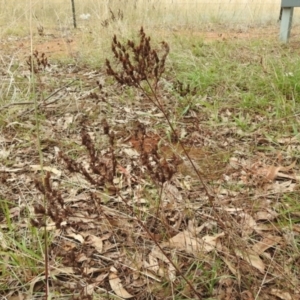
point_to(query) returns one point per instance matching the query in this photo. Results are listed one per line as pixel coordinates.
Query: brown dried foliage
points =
(139, 62)
(37, 62)
(55, 205)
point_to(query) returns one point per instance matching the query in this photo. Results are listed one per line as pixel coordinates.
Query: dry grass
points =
(151, 14)
(155, 175)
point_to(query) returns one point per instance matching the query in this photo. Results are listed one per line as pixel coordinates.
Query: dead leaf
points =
(10, 170)
(286, 176)
(75, 236)
(171, 193)
(252, 258)
(101, 277)
(247, 295)
(266, 215)
(115, 284)
(95, 241)
(62, 271)
(154, 266)
(17, 297)
(149, 274)
(282, 187)
(89, 289)
(153, 263)
(45, 168)
(248, 224)
(81, 257)
(281, 294)
(211, 242)
(288, 140)
(186, 240)
(269, 173)
(4, 154)
(230, 265)
(266, 243)
(131, 152)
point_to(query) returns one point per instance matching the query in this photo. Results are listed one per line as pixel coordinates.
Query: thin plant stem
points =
(38, 141)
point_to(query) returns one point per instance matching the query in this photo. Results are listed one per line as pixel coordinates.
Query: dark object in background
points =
(280, 15)
(73, 11)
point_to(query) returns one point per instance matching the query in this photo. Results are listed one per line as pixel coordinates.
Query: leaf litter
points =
(114, 220)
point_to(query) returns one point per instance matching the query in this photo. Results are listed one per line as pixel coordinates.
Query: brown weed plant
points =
(159, 168)
(139, 63)
(37, 62)
(100, 174)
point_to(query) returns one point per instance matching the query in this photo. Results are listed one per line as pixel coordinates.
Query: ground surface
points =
(223, 225)
(54, 42)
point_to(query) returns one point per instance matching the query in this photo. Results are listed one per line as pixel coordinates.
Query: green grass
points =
(21, 255)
